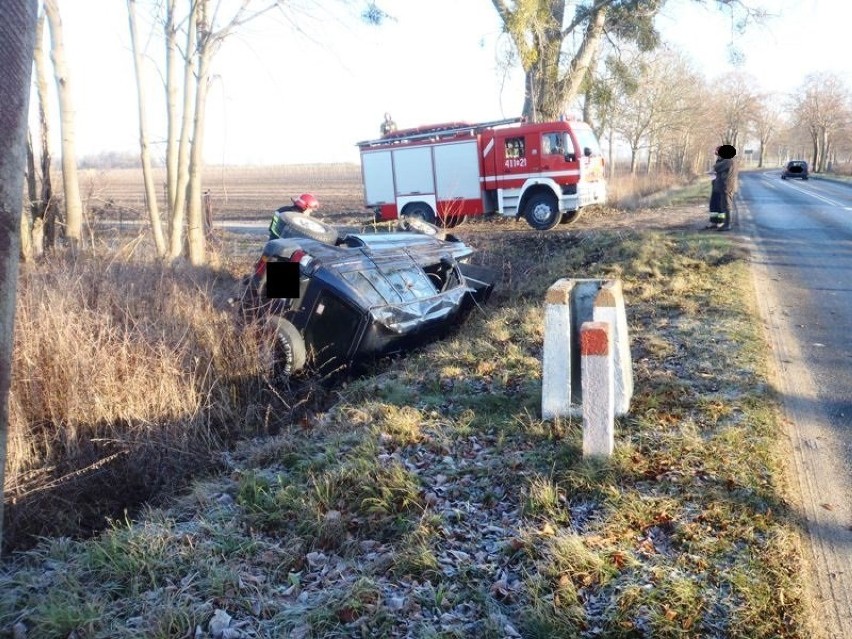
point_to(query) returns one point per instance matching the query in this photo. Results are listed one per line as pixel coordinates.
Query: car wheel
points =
(569, 217)
(805, 178)
(419, 210)
(542, 212)
(302, 225)
(283, 349)
(416, 225)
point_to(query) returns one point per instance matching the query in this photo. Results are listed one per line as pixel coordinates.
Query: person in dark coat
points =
(724, 188)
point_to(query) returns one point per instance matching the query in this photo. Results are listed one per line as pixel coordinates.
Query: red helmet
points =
(306, 202)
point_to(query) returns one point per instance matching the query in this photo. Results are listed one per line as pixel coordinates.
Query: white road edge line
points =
(819, 197)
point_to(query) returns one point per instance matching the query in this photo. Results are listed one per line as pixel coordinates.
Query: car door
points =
(333, 331)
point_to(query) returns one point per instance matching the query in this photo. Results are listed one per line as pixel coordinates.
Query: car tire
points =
(301, 225)
(569, 217)
(783, 177)
(542, 211)
(417, 225)
(283, 349)
(419, 210)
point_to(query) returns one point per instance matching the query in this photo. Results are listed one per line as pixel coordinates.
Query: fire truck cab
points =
(545, 172)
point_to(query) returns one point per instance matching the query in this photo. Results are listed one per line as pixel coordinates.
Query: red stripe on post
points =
(594, 338)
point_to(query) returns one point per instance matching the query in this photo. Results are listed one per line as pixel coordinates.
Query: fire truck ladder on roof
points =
(436, 132)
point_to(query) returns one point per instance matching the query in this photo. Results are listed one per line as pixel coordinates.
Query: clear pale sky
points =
(283, 96)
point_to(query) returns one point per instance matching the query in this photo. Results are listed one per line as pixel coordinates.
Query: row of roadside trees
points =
(656, 107)
(641, 97)
(192, 31)
(647, 99)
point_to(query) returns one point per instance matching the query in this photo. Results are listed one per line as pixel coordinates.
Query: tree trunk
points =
(569, 86)
(823, 155)
(47, 209)
(147, 173)
(70, 181)
(815, 156)
(17, 40)
(27, 248)
(611, 152)
(548, 91)
(179, 207)
(171, 110)
(195, 214)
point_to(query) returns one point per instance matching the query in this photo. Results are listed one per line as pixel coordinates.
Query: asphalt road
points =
(801, 234)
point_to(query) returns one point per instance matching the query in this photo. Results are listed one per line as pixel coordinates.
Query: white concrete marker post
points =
(556, 376)
(598, 381)
(609, 307)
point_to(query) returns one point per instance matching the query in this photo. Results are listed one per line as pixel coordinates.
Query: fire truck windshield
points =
(587, 140)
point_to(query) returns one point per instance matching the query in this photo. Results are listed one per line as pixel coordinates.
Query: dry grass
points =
(126, 377)
(630, 192)
(430, 500)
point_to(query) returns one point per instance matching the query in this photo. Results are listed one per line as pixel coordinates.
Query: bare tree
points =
(822, 107)
(31, 227)
(654, 104)
(734, 106)
(766, 122)
(17, 39)
(205, 30)
(70, 181)
(145, 153)
(170, 32)
(46, 209)
(180, 179)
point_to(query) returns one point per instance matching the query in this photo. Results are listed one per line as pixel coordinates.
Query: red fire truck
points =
(545, 172)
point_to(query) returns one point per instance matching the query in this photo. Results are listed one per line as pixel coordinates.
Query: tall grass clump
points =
(126, 376)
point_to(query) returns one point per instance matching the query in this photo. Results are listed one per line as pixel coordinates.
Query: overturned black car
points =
(360, 296)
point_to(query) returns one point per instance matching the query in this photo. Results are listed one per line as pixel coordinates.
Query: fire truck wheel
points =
(416, 225)
(301, 225)
(419, 210)
(570, 217)
(542, 212)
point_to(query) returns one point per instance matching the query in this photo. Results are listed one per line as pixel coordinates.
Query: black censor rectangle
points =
(282, 280)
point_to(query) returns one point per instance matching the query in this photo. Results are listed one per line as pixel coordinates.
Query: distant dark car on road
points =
(360, 296)
(795, 169)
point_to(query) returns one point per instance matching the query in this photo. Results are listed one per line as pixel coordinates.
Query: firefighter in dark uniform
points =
(305, 203)
(724, 188)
